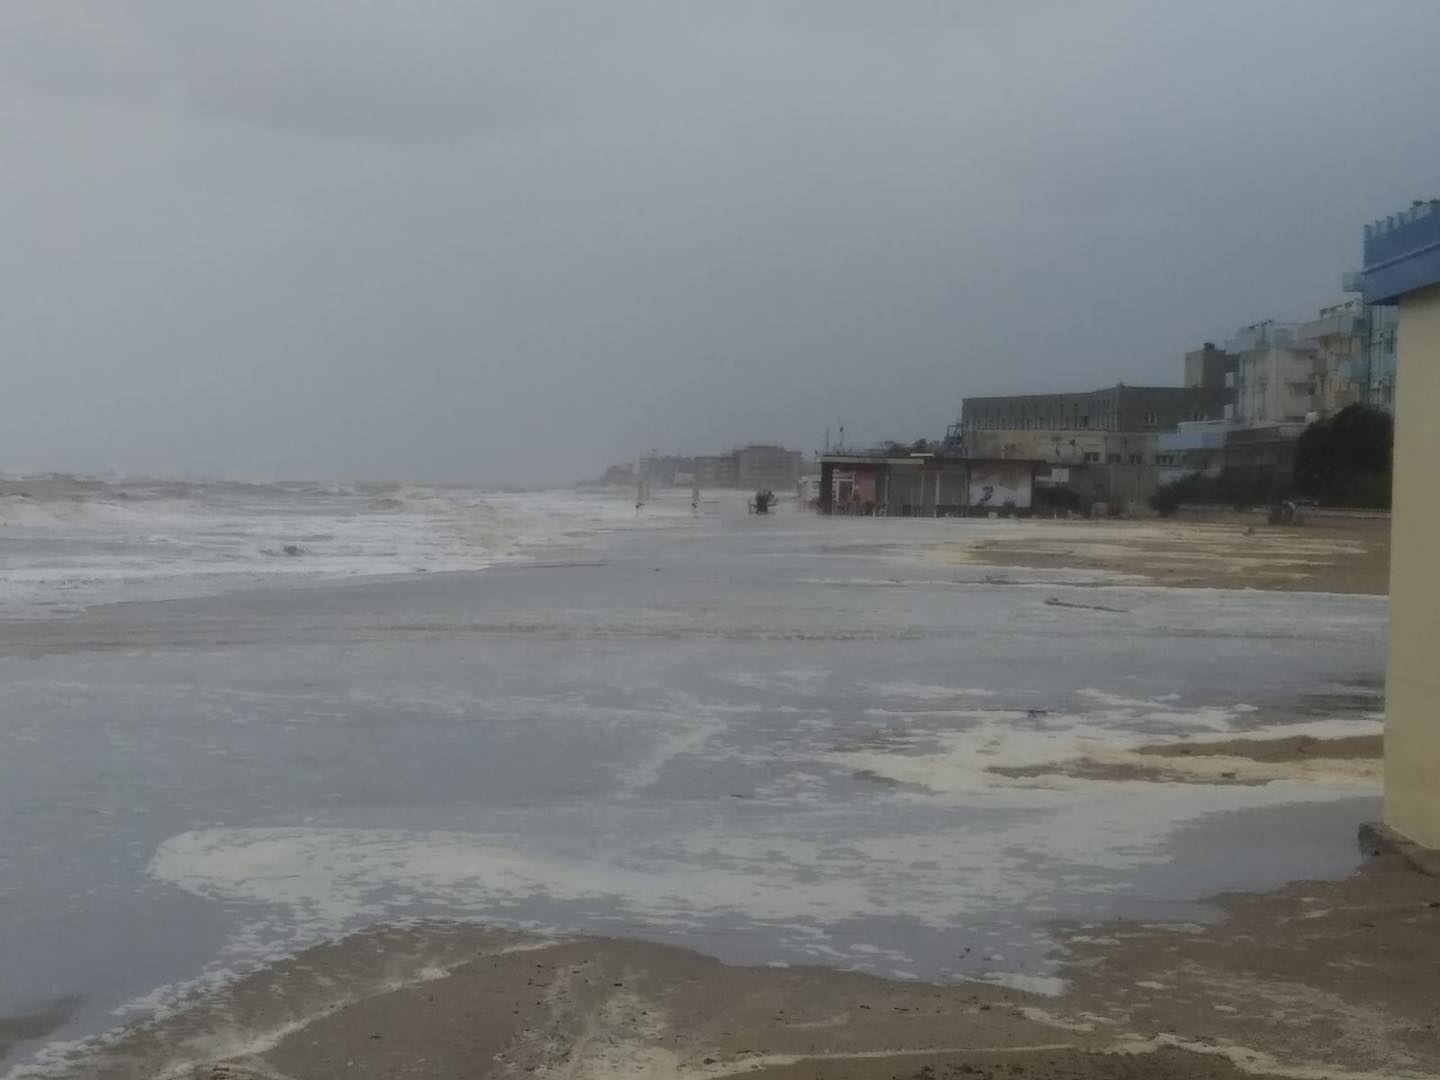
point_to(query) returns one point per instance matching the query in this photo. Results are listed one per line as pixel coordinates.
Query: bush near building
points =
(1238, 488)
(1343, 461)
(1347, 459)
(1052, 499)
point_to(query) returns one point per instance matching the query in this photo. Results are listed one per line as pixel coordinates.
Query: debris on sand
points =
(1055, 601)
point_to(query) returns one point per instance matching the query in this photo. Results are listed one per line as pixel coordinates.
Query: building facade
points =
(716, 471)
(1111, 434)
(1337, 338)
(1065, 447)
(1209, 367)
(1354, 347)
(1196, 446)
(1115, 408)
(1379, 361)
(1274, 377)
(1402, 266)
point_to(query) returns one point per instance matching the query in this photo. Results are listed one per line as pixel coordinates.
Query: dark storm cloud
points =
(503, 241)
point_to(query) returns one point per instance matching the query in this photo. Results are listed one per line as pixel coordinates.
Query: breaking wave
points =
(72, 541)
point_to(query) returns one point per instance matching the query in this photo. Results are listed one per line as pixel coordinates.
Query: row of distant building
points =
(1240, 405)
(752, 468)
(1243, 404)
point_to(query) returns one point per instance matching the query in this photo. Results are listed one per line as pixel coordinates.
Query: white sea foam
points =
(71, 542)
(1045, 985)
(799, 881)
(959, 759)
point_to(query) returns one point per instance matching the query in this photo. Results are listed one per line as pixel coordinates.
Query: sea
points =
(69, 542)
(239, 719)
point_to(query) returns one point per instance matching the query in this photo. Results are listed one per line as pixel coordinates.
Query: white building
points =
(1275, 378)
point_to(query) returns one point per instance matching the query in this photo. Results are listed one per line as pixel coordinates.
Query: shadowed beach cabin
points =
(925, 485)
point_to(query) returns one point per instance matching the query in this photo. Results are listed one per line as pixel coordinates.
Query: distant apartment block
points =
(715, 470)
(753, 467)
(768, 467)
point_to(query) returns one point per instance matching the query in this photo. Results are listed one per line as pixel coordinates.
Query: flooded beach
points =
(778, 742)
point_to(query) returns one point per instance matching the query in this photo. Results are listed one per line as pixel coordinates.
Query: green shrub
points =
(1346, 460)
(1238, 488)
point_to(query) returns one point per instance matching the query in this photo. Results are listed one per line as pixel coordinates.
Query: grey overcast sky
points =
(466, 240)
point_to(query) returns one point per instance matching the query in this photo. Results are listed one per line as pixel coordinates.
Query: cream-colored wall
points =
(1412, 726)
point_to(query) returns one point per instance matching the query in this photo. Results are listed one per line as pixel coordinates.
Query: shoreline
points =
(1181, 1001)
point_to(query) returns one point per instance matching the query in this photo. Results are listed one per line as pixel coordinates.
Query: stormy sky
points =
(505, 242)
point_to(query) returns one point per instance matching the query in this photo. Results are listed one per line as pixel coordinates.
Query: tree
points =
(1346, 460)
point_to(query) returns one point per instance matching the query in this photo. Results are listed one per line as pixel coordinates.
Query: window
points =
(1084, 421)
(1091, 457)
(1136, 459)
(1150, 419)
(1113, 459)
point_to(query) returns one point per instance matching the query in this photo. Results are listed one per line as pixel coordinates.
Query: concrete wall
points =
(1412, 727)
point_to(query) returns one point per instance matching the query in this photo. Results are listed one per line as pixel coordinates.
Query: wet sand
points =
(1351, 759)
(35, 1024)
(1316, 979)
(1327, 555)
(1289, 748)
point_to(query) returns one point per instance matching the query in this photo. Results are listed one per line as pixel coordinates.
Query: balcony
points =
(1345, 322)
